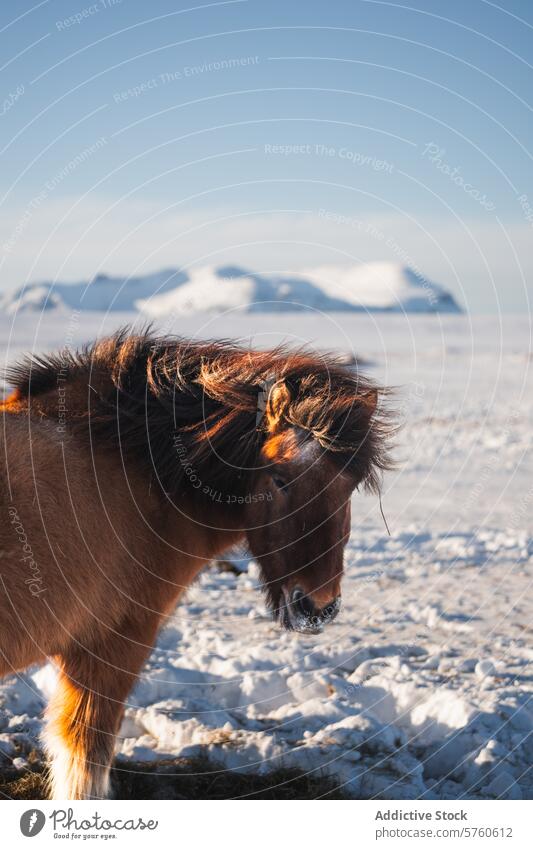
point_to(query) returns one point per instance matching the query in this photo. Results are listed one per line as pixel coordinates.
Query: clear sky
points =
(136, 136)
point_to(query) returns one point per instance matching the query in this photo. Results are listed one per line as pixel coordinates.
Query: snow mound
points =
(378, 286)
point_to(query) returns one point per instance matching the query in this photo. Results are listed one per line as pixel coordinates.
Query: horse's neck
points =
(203, 530)
(194, 522)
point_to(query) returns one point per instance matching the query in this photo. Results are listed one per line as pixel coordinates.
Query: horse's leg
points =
(86, 710)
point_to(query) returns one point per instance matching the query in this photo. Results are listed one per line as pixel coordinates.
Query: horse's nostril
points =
(332, 609)
(305, 607)
(303, 604)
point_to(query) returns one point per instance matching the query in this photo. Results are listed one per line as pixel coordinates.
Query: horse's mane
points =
(176, 405)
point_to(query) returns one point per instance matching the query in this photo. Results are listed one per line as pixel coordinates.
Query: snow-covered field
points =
(422, 687)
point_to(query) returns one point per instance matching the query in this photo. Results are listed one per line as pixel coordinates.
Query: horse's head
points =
(299, 519)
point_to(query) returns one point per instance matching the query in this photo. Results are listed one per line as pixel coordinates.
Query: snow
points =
(422, 686)
(375, 286)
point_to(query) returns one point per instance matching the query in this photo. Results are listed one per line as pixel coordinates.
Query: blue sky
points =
(137, 136)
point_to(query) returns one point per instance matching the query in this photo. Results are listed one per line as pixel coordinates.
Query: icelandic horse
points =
(126, 467)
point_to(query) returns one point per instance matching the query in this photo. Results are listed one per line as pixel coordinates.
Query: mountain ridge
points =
(369, 287)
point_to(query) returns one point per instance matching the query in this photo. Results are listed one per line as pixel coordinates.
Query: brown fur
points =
(104, 525)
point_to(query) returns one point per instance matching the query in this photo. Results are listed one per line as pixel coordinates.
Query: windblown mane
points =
(177, 405)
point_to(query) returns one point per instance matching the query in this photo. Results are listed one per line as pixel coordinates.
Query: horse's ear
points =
(278, 400)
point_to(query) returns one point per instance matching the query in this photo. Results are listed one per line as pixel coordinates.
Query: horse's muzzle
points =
(299, 612)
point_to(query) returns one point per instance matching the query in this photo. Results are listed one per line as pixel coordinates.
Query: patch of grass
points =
(184, 778)
(31, 784)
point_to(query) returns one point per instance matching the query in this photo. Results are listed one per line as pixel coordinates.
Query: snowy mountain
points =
(383, 286)
(211, 289)
(377, 286)
(102, 293)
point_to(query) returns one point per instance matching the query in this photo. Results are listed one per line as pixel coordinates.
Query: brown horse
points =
(131, 464)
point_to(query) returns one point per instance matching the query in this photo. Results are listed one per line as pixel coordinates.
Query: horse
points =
(130, 464)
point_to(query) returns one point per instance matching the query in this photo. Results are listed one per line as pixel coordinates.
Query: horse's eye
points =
(280, 483)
